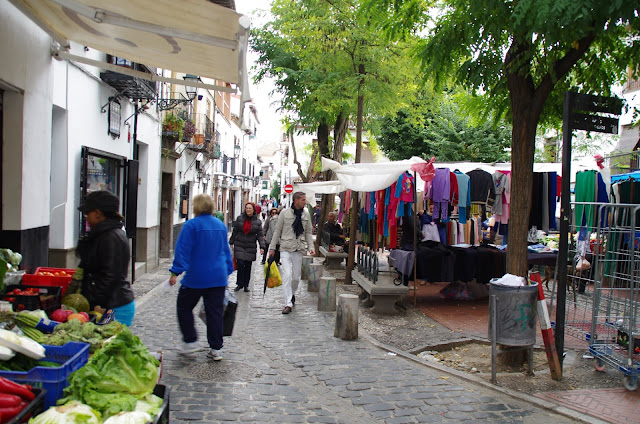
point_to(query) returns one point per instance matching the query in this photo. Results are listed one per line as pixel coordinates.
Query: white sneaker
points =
(190, 348)
(214, 354)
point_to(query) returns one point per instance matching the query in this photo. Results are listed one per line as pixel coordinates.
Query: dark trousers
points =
(244, 273)
(213, 298)
(266, 253)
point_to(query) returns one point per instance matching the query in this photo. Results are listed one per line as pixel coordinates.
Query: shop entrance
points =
(166, 215)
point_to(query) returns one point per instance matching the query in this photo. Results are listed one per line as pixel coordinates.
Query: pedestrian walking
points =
(203, 254)
(104, 257)
(268, 229)
(247, 231)
(293, 234)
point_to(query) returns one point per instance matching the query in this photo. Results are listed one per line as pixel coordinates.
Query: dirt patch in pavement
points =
(412, 331)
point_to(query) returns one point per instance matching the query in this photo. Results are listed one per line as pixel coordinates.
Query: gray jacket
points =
(284, 235)
(244, 245)
(269, 227)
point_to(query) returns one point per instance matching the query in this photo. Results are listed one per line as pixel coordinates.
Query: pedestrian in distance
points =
(247, 232)
(293, 234)
(268, 228)
(202, 254)
(104, 257)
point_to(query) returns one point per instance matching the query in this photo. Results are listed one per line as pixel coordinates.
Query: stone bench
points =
(381, 296)
(333, 259)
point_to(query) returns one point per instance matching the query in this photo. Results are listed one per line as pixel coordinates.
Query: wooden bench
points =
(332, 259)
(381, 296)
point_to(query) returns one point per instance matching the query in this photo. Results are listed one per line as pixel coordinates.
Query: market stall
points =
(81, 367)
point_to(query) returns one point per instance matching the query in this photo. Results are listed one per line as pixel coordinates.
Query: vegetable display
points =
(74, 331)
(116, 376)
(14, 398)
(72, 413)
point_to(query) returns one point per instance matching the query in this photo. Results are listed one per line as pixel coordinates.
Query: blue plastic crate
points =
(71, 357)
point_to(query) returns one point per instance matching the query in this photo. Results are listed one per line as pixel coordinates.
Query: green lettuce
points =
(116, 376)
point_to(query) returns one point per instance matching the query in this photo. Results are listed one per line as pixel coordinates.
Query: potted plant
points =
(189, 130)
(173, 126)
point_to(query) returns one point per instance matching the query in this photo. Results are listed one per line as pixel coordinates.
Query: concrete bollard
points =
(315, 273)
(347, 317)
(306, 261)
(327, 294)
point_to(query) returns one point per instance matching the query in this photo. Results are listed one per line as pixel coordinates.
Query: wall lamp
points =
(191, 90)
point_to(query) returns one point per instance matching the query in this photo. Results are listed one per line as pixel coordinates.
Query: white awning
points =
(371, 176)
(319, 187)
(188, 36)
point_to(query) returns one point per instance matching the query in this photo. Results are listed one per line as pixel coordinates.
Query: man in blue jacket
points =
(202, 253)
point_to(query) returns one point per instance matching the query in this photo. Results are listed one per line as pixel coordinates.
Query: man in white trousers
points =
(293, 234)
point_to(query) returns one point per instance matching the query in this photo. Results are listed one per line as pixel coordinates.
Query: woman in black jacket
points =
(104, 257)
(247, 231)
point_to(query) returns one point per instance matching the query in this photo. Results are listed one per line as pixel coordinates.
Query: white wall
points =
(26, 66)
(149, 138)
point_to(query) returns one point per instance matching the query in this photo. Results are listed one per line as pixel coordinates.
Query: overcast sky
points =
(270, 126)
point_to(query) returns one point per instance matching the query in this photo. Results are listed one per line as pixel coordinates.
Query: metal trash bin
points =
(515, 314)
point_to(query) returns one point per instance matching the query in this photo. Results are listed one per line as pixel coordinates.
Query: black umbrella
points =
(266, 274)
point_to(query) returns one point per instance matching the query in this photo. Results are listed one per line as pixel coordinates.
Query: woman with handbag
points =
(203, 255)
(247, 231)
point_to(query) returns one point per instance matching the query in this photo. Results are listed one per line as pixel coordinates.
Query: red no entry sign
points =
(288, 188)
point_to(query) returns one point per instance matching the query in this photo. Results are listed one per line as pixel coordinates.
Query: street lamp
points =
(191, 90)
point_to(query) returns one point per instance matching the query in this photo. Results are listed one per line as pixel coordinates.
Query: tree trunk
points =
(305, 178)
(327, 205)
(355, 208)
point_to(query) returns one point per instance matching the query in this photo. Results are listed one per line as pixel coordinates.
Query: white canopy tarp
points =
(320, 187)
(190, 36)
(370, 176)
(464, 167)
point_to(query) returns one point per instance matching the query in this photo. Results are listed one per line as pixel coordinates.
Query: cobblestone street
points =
(290, 368)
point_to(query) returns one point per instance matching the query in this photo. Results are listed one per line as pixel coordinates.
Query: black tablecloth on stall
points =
(436, 262)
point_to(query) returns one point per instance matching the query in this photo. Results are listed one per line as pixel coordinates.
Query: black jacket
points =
(244, 245)
(335, 231)
(104, 257)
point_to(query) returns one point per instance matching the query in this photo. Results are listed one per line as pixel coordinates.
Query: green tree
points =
(523, 55)
(275, 191)
(445, 133)
(329, 66)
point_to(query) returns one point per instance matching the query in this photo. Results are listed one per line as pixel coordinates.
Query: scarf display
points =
(297, 223)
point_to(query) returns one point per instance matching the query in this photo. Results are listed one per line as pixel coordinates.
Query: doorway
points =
(166, 216)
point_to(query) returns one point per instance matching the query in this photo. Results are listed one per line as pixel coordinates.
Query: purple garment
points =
(441, 193)
(403, 260)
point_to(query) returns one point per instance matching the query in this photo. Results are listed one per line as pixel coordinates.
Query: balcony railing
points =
(204, 126)
(132, 87)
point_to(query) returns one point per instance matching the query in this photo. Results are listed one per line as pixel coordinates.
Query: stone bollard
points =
(306, 261)
(315, 274)
(327, 294)
(347, 317)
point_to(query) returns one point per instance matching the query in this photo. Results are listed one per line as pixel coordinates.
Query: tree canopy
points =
(444, 132)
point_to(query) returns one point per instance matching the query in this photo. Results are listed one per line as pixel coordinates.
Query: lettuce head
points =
(116, 376)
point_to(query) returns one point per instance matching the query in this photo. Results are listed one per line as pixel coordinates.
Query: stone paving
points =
(290, 369)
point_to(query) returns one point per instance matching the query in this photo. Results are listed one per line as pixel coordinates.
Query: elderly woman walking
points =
(247, 231)
(202, 253)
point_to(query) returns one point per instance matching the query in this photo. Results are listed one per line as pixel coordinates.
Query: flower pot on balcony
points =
(198, 139)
